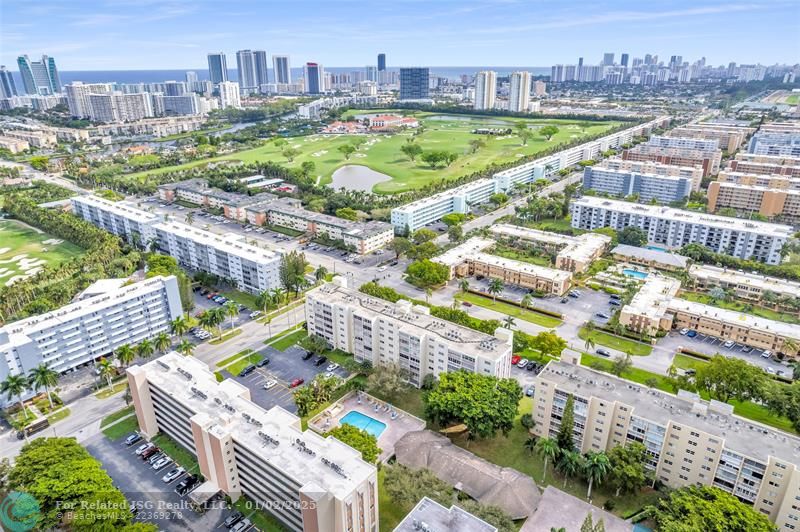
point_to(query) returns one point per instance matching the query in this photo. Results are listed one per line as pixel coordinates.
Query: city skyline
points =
(486, 33)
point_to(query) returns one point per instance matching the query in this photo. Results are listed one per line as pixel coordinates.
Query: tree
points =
(125, 354)
(347, 213)
(400, 246)
(484, 403)
(13, 387)
(290, 153)
(499, 198)
(423, 235)
(189, 218)
(627, 472)
(186, 348)
(39, 162)
(388, 380)
(570, 463)
(145, 349)
(589, 342)
(307, 168)
(179, 326)
(63, 477)
(314, 344)
(730, 378)
(508, 322)
(621, 364)
(454, 218)
(43, 377)
(411, 150)
(426, 250)
(495, 287)
(455, 233)
(706, 508)
(530, 444)
(548, 131)
(564, 437)
(595, 469)
(211, 319)
(106, 369)
(358, 439)
(407, 486)
(463, 285)
(523, 132)
(320, 273)
(717, 293)
(547, 449)
(347, 150)
(427, 274)
(162, 342)
(632, 236)
(549, 343)
(292, 271)
(527, 301)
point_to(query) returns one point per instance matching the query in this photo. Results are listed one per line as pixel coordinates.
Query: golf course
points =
(24, 251)
(439, 132)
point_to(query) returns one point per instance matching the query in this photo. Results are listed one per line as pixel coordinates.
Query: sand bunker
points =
(51, 242)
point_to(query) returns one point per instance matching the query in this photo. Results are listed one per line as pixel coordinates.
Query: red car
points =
(297, 382)
(515, 360)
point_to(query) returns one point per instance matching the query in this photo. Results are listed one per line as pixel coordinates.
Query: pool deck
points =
(362, 402)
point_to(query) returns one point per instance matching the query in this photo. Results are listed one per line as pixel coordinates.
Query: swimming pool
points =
(363, 422)
(656, 248)
(634, 273)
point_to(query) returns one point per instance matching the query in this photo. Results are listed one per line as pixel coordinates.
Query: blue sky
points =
(163, 34)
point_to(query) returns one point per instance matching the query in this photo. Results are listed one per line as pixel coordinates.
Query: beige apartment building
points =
(730, 138)
(745, 286)
(779, 204)
(688, 440)
(573, 253)
(382, 333)
(307, 482)
(760, 180)
(648, 310)
(14, 145)
(751, 167)
(469, 260)
(709, 160)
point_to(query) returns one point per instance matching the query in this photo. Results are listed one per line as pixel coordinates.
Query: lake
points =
(357, 177)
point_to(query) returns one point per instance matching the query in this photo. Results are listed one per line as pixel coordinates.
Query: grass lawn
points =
(242, 298)
(242, 363)
(390, 513)
(284, 230)
(24, 251)
(116, 387)
(176, 451)
(119, 414)
(410, 401)
(512, 310)
(225, 361)
(285, 340)
(190, 134)
(282, 310)
(509, 253)
(738, 306)
(58, 415)
(617, 342)
(634, 374)
(227, 335)
(382, 152)
(121, 429)
(261, 519)
(792, 99)
(687, 362)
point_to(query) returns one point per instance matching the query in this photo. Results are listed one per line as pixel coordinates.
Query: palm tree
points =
(546, 448)
(428, 294)
(162, 342)
(185, 348)
(264, 300)
(320, 273)
(570, 464)
(595, 468)
(106, 369)
(15, 386)
(790, 346)
(43, 377)
(145, 348)
(530, 444)
(278, 295)
(589, 343)
(495, 287)
(179, 326)
(508, 322)
(231, 310)
(125, 354)
(463, 285)
(189, 217)
(527, 300)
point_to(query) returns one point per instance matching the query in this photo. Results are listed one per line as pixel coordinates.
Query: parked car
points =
(233, 519)
(615, 302)
(255, 314)
(247, 371)
(172, 474)
(684, 331)
(187, 484)
(161, 464)
(263, 362)
(746, 349)
(602, 352)
(515, 359)
(332, 367)
(529, 391)
(269, 384)
(297, 382)
(466, 303)
(382, 269)
(522, 363)
(728, 344)
(149, 452)
(602, 315)
(771, 371)
(308, 355)
(691, 333)
(142, 448)
(615, 296)
(766, 354)
(244, 524)
(564, 300)
(320, 361)
(156, 457)
(133, 438)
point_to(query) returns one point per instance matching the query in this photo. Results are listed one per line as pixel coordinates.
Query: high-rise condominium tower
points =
(7, 86)
(246, 68)
(485, 89)
(519, 94)
(260, 62)
(414, 83)
(283, 72)
(381, 62)
(217, 67)
(608, 59)
(314, 78)
(39, 77)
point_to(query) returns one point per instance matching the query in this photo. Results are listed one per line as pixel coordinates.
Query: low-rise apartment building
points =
(647, 310)
(647, 187)
(784, 143)
(119, 218)
(755, 167)
(685, 143)
(573, 253)
(688, 440)
(746, 286)
(418, 214)
(709, 159)
(673, 228)
(309, 483)
(468, 260)
(773, 203)
(781, 181)
(730, 138)
(695, 173)
(37, 139)
(109, 315)
(650, 258)
(403, 334)
(12, 144)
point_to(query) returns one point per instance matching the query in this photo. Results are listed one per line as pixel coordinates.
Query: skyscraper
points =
(381, 62)
(485, 89)
(608, 58)
(7, 86)
(39, 77)
(372, 73)
(280, 65)
(519, 94)
(414, 83)
(262, 72)
(246, 68)
(229, 94)
(191, 78)
(580, 62)
(217, 67)
(314, 78)
(624, 60)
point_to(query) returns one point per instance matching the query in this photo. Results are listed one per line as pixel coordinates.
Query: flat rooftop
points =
(580, 248)
(558, 509)
(653, 167)
(661, 257)
(740, 319)
(441, 519)
(759, 188)
(447, 194)
(690, 153)
(742, 278)
(781, 160)
(689, 217)
(741, 435)
(229, 243)
(190, 382)
(653, 298)
(293, 207)
(542, 272)
(417, 320)
(122, 209)
(455, 256)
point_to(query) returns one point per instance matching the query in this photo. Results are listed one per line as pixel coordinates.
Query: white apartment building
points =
(688, 440)
(674, 228)
(686, 143)
(784, 143)
(519, 94)
(694, 173)
(306, 481)
(730, 137)
(485, 90)
(112, 313)
(404, 334)
(745, 286)
(251, 268)
(229, 95)
(410, 217)
(647, 187)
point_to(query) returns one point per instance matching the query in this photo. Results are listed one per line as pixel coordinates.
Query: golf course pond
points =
(357, 177)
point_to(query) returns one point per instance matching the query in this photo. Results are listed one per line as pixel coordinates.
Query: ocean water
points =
(155, 76)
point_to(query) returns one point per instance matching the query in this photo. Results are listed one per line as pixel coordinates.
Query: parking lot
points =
(283, 367)
(143, 487)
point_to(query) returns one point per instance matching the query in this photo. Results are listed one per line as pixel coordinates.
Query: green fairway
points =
(792, 99)
(24, 251)
(382, 153)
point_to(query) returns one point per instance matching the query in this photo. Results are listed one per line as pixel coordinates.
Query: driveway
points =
(711, 346)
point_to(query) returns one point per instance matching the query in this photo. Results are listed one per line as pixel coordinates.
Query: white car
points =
(162, 463)
(382, 268)
(522, 363)
(172, 475)
(684, 331)
(729, 344)
(332, 367)
(142, 448)
(254, 315)
(771, 371)
(269, 384)
(766, 354)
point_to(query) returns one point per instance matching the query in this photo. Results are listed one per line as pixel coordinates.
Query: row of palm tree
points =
(593, 466)
(42, 376)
